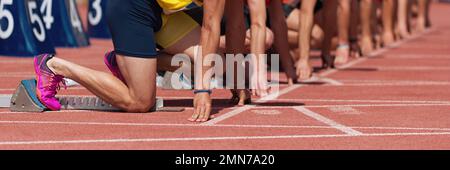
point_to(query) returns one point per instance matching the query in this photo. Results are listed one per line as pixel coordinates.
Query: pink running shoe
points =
(48, 83)
(111, 63)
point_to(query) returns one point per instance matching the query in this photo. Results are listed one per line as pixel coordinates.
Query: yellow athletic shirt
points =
(173, 5)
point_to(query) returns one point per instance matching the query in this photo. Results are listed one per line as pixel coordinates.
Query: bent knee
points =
(139, 106)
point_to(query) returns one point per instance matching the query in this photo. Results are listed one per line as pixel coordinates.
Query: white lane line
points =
(327, 121)
(238, 110)
(419, 56)
(217, 125)
(394, 84)
(345, 110)
(332, 106)
(49, 112)
(5, 100)
(332, 82)
(378, 105)
(49, 142)
(407, 68)
(364, 101)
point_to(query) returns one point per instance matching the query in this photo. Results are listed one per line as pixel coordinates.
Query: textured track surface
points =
(397, 99)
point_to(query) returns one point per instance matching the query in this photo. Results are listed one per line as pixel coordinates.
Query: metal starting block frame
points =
(25, 99)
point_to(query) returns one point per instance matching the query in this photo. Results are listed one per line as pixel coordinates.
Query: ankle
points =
(54, 66)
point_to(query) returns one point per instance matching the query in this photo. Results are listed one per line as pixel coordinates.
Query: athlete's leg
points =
(427, 14)
(402, 17)
(366, 34)
(281, 45)
(139, 73)
(235, 44)
(421, 15)
(355, 49)
(388, 23)
(328, 22)
(343, 17)
(138, 97)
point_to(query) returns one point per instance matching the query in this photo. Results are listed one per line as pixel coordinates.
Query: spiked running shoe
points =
(111, 63)
(48, 83)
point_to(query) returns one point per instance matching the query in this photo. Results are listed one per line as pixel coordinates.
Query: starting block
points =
(25, 100)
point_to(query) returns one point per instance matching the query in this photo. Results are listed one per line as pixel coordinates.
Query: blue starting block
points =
(22, 30)
(62, 21)
(97, 25)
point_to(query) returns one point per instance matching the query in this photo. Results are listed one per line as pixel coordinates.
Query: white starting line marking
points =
(5, 100)
(392, 82)
(213, 138)
(345, 110)
(217, 125)
(366, 101)
(266, 112)
(407, 68)
(419, 56)
(378, 105)
(332, 82)
(327, 121)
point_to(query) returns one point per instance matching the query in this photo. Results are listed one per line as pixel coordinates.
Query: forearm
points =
(258, 26)
(209, 40)
(305, 29)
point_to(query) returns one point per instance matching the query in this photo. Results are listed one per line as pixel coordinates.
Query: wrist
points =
(202, 91)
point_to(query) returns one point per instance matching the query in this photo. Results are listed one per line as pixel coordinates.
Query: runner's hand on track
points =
(304, 70)
(259, 84)
(202, 108)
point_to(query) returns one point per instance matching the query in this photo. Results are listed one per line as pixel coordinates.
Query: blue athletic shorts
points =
(133, 24)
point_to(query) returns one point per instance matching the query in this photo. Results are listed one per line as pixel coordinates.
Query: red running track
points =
(396, 99)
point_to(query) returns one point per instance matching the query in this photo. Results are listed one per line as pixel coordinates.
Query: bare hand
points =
(202, 108)
(304, 70)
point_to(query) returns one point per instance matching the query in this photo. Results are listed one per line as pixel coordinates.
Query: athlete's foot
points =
(388, 39)
(291, 76)
(48, 83)
(428, 24)
(328, 61)
(402, 32)
(421, 25)
(342, 54)
(366, 46)
(111, 63)
(241, 97)
(291, 81)
(355, 49)
(304, 70)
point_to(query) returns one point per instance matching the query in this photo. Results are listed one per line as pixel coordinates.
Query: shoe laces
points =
(54, 83)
